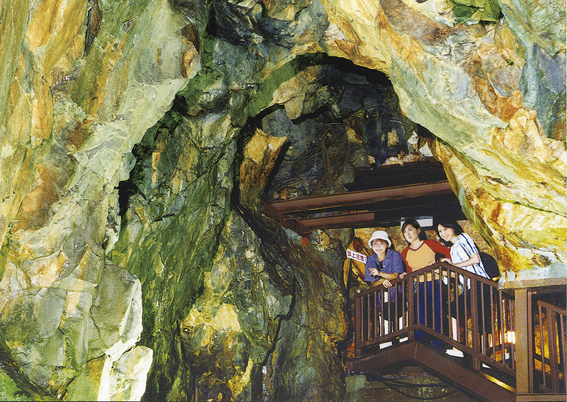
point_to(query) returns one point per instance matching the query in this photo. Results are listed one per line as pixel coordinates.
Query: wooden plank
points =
(369, 219)
(540, 397)
(361, 197)
(440, 365)
(343, 220)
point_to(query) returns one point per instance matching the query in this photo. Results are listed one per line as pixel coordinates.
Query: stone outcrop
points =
(81, 85)
(138, 139)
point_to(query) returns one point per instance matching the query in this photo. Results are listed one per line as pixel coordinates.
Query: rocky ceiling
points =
(138, 139)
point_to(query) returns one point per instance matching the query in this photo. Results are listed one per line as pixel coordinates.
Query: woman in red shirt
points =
(419, 254)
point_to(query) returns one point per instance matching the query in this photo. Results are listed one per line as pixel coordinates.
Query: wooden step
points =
(439, 364)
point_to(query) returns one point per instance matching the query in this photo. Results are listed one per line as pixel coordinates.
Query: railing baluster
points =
(417, 301)
(563, 343)
(466, 299)
(475, 323)
(376, 319)
(369, 318)
(411, 307)
(441, 301)
(542, 345)
(404, 310)
(382, 316)
(503, 319)
(449, 307)
(551, 341)
(434, 298)
(458, 310)
(484, 337)
(357, 325)
(397, 305)
(426, 295)
(513, 331)
(493, 323)
(531, 342)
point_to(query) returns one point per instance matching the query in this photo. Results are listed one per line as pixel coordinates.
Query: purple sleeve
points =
(370, 263)
(397, 263)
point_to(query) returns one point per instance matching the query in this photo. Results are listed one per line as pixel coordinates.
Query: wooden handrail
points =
(455, 295)
(474, 317)
(430, 268)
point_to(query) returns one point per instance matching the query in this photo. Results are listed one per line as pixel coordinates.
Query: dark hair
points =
(417, 226)
(449, 225)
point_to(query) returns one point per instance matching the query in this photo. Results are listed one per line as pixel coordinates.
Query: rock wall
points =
(129, 208)
(81, 84)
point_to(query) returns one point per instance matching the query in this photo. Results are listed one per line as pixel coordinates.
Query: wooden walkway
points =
(472, 319)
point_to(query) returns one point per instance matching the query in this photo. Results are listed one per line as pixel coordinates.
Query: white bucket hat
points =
(379, 234)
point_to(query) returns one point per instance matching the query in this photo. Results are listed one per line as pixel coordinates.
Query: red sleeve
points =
(404, 255)
(438, 248)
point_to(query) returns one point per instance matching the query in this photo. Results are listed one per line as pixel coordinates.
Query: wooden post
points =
(523, 383)
(358, 327)
(411, 308)
(475, 318)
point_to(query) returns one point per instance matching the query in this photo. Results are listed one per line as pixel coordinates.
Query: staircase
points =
(463, 329)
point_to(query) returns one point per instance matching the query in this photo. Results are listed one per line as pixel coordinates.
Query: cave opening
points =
(348, 134)
(353, 160)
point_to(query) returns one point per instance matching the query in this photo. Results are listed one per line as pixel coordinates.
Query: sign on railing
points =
(356, 256)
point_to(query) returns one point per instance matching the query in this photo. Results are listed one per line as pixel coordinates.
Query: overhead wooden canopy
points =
(377, 198)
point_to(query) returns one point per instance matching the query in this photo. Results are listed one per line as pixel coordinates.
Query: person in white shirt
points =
(464, 253)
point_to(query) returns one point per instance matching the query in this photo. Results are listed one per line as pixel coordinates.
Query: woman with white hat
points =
(384, 265)
(381, 267)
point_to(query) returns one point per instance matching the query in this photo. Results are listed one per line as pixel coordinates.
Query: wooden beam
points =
(428, 201)
(377, 218)
(361, 197)
(273, 213)
(429, 170)
(540, 397)
(337, 221)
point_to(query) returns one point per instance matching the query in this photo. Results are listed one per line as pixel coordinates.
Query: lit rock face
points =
(81, 84)
(228, 333)
(122, 129)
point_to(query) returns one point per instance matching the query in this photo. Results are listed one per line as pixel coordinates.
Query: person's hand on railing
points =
(387, 283)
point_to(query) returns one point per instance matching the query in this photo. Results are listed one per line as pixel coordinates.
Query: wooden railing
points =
(460, 310)
(549, 343)
(442, 302)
